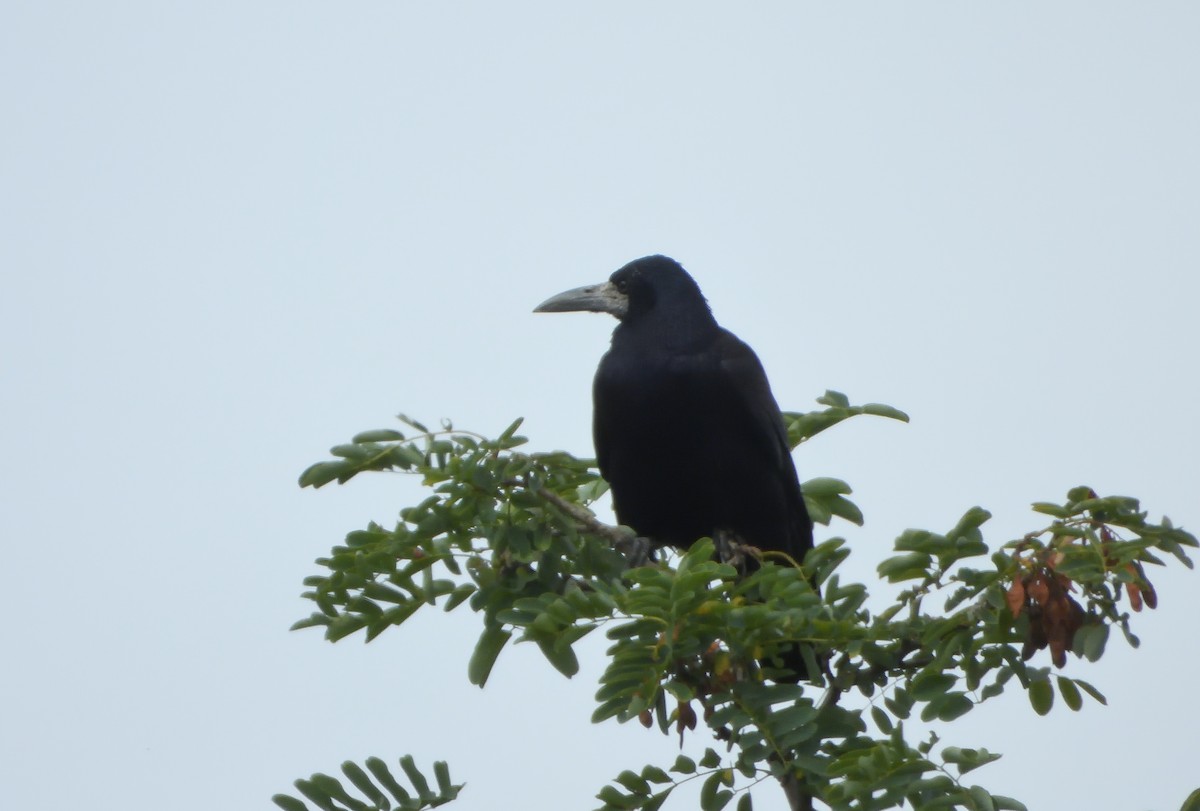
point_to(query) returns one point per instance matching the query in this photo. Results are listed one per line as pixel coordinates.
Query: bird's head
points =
(646, 287)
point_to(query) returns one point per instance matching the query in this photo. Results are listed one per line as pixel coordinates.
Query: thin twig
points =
(635, 548)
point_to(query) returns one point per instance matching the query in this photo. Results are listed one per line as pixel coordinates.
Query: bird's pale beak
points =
(595, 298)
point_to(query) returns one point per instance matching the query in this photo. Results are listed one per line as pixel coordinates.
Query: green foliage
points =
(509, 535)
(380, 787)
(803, 427)
(500, 533)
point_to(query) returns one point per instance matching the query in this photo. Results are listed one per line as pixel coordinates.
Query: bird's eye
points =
(622, 285)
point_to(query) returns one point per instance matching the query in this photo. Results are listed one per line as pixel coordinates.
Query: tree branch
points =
(797, 799)
(637, 549)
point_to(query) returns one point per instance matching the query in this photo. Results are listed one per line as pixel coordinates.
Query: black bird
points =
(687, 432)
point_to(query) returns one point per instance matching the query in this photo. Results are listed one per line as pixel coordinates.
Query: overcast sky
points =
(232, 234)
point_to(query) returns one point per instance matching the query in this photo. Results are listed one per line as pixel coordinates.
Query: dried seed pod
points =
(1015, 597)
(1038, 587)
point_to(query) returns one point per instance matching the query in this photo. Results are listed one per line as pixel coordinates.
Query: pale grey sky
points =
(234, 234)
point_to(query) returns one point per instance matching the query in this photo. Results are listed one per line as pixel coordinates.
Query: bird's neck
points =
(680, 332)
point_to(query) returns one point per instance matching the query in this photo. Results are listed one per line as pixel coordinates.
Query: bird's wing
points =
(744, 375)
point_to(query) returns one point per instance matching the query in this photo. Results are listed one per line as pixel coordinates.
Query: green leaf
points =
(491, 642)
(656, 802)
(363, 783)
(383, 777)
(910, 566)
(981, 800)
(834, 398)
(460, 594)
(1090, 641)
(312, 791)
(409, 421)
(1070, 693)
(881, 410)
(929, 685)
(801, 427)
(656, 775)
(292, 804)
(972, 519)
(712, 796)
(634, 783)
(900, 703)
(592, 490)
(378, 435)
(441, 773)
(968, 759)
(321, 474)
(684, 765)
(1091, 691)
(356, 453)
(613, 798)
(1047, 508)
(343, 626)
(847, 509)
(920, 540)
(507, 438)
(1041, 696)
(952, 706)
(415, 777)
(825, 486)
(1192, 803)
(561, 656)
(745, 803)
(314, 620)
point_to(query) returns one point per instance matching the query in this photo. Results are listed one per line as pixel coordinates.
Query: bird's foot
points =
(638, 551)
(731, 550)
